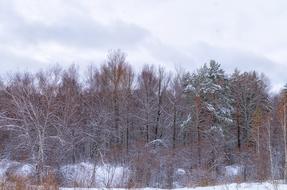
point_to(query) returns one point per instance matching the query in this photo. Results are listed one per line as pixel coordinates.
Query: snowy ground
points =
(112, 175)
(104, 175)
(243, 186)
(17, 168)
(81, 173)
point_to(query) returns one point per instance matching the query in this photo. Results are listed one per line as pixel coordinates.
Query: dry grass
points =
(23, 183)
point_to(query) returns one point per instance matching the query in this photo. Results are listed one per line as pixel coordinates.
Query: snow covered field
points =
(234, 186)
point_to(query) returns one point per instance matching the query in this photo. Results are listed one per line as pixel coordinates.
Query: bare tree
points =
(113, 80)
(31, 115)
(70, 112)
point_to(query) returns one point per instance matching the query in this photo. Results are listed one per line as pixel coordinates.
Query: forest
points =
(169, 128)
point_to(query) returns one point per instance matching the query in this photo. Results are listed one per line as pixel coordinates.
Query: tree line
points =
(153, 121)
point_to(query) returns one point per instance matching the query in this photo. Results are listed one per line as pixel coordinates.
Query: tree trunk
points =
(117, 118)
(258, 141)
(174, 127)
(197, 112)
(158, 109)
(93, 177)
(147, 128)
(40, 164)
(147, 118)
(127, 134)
(259, 161)
(73, 147)
(285, 145)
(270, 149)
(238, 129)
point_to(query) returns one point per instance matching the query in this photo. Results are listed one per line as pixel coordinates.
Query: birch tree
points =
(31, 115)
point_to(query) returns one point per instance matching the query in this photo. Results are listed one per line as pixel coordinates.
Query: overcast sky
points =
(243, 34)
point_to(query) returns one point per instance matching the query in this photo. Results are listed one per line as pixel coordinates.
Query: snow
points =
(189, 88)
(25, 170)
(210, 107)
(157, 142)
(217, 87)
(233, 170)
(184, 123)
(4, 166)
(15, 168)
(80, 173)
(180, 171)
(233, 186)
(104, 176)
(216, 129)
(114, 175)
(225, 111)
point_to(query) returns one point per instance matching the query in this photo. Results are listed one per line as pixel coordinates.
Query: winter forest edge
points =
(152, 128)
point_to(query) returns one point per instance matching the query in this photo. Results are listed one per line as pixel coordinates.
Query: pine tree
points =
(210, 94)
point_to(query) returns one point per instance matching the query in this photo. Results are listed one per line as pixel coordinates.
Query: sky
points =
(244, 34)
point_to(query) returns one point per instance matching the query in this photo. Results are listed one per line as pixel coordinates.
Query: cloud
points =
(181, 33)
(11, 62)
(80, 33)
(30, 41)
(76, 30)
